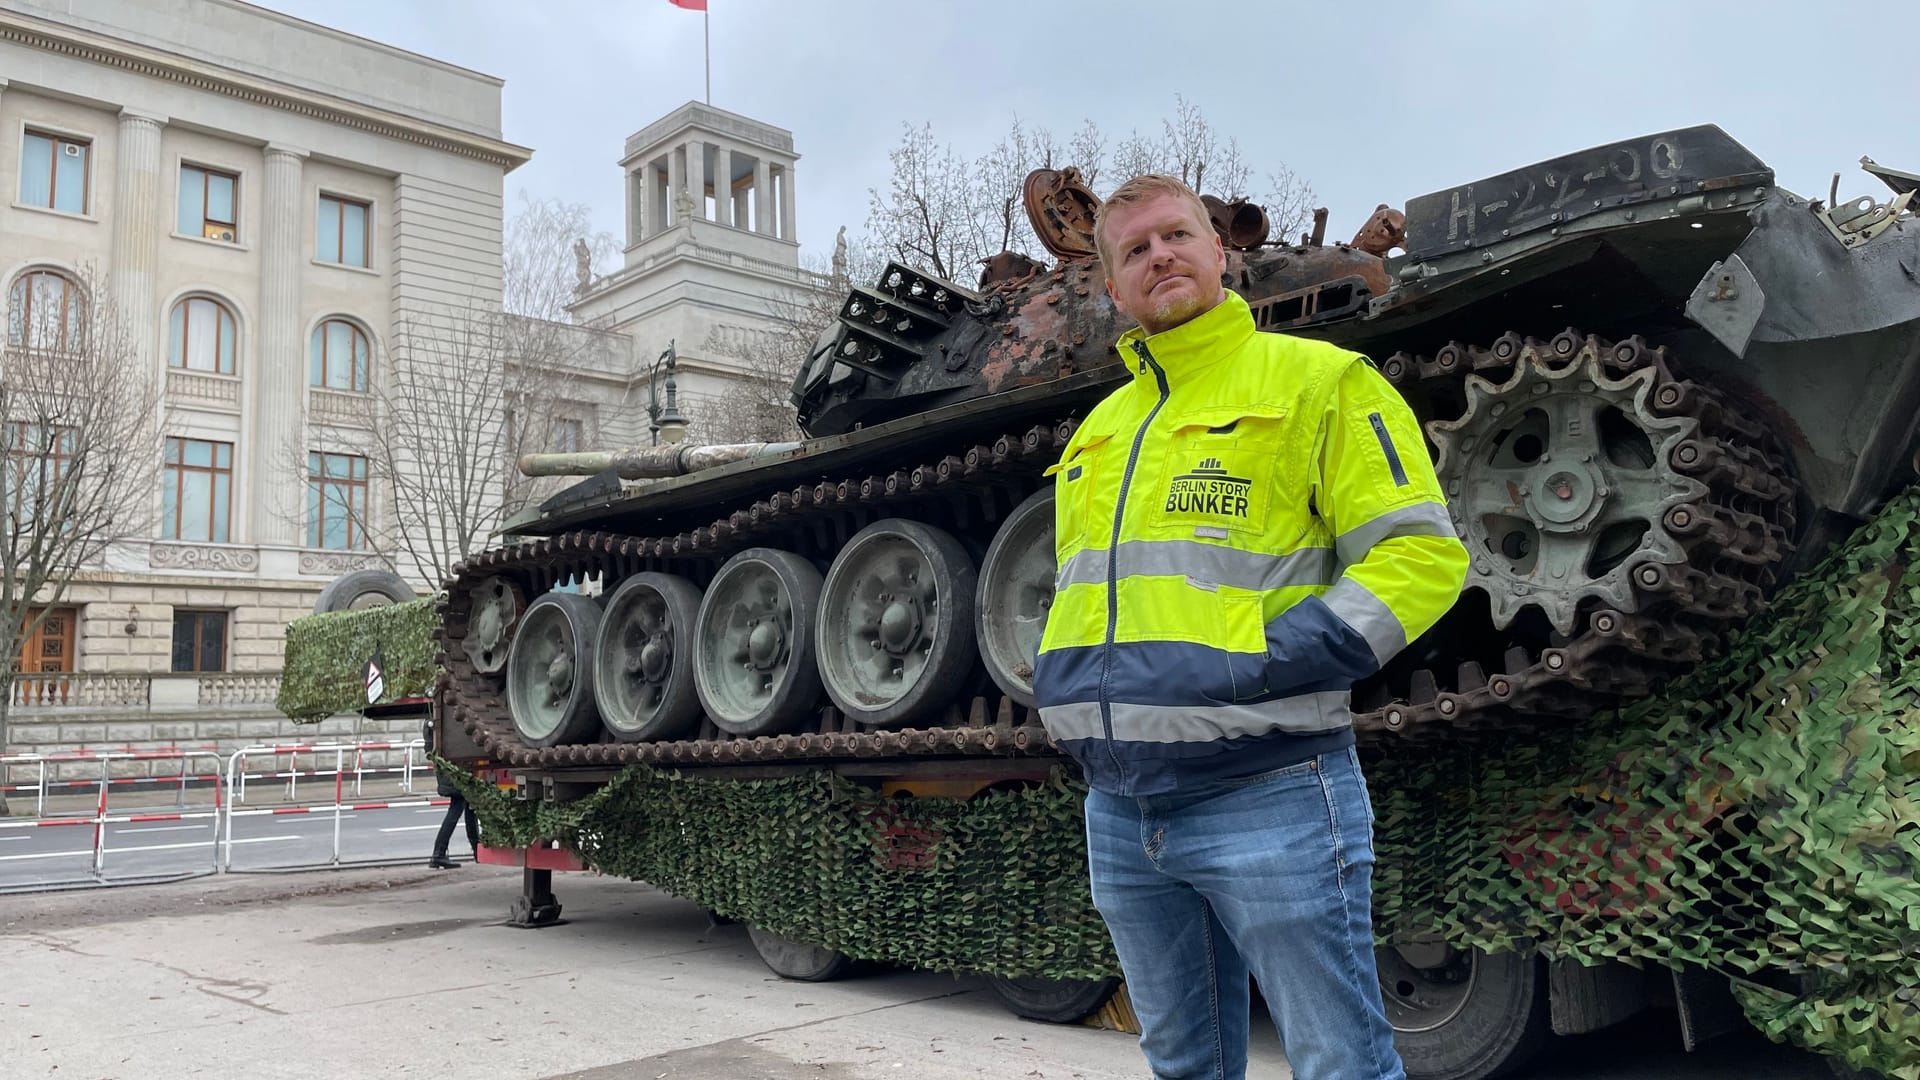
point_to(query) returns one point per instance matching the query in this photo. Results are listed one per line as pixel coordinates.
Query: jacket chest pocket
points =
(1220, 472)
(1077, 477)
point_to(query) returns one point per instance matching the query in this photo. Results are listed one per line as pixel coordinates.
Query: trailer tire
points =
(797, 960)
(1055, 1001)
(1488, 1025)
(363, 589)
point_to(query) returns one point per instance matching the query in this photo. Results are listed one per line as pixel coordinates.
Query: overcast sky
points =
(1370, 102)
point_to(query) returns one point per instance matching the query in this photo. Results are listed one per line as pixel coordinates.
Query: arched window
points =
(338, 356)
(200, 336)
(46, 310)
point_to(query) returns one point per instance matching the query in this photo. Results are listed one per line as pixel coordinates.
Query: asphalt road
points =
(411, 973)
(45, 856)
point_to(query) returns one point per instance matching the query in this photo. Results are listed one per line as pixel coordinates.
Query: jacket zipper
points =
(1386, 447)
(1113, 549)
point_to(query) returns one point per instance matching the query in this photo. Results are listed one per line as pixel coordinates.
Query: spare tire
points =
(363, 589)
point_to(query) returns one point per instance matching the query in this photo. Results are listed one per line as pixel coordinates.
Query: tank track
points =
(1734, 537)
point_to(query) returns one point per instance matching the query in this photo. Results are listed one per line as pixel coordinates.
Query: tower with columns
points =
(712, 257)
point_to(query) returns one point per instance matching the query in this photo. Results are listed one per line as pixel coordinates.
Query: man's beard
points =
(1175, 310)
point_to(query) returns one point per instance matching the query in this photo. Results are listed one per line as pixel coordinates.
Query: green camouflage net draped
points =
(1760, 817)
(327, 654)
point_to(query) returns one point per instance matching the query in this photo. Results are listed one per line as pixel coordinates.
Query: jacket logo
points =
(1208, 489)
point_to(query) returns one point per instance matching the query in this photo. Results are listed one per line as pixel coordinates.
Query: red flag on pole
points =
(690, 5)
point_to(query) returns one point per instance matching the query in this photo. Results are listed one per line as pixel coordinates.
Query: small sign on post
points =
(376, 677)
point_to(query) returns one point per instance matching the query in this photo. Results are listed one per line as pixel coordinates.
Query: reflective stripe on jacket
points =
(1244, 530)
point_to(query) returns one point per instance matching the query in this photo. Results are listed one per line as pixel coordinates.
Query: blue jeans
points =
(1270, 875)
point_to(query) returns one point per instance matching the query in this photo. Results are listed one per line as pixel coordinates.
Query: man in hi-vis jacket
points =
(1245, 529)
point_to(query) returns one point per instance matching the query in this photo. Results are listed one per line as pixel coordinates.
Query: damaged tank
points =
(1655, 383)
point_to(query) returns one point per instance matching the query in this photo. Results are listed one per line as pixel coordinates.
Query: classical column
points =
(762, 193)
(786, 202)
(276, 424)
(723, 185)
(137, 224)
(697, 177)
(676, 166)
(742, 206)
(636, 207)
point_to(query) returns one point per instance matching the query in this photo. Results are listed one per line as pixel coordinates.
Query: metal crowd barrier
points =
(102, 817)
(224, 776)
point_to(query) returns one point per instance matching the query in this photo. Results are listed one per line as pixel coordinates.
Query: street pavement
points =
(33, 856)
(411, 973)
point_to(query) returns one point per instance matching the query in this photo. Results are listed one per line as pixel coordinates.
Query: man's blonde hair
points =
(1141, 189)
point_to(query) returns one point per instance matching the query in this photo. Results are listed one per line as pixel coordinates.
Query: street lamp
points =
(664, 421)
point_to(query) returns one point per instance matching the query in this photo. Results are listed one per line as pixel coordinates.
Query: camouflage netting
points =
(1760, 818)
(327, 654)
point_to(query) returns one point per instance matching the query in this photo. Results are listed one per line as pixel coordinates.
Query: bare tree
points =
(540, 264)
(945, 212)
(80, 450)
(465, 389)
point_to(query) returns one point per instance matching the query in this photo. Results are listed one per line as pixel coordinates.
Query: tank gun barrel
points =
(649, 462)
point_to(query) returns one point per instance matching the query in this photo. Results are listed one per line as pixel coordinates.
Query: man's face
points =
(1167, 262)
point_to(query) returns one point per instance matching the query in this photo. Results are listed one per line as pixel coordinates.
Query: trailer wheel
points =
(797, 960)
(363, 589)
(1462, 1014)
(1056, 1001)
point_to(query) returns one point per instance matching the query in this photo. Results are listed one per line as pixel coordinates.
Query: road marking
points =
(155, 829)
(143, 847)
(410, 828)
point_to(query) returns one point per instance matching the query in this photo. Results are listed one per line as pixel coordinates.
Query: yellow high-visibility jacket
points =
(1244, 530)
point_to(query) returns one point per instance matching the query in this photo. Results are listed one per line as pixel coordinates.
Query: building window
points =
(336, 501)
(46, 310)
(200, 336)
(36, 462)
(196, 490)
(207, 204)
(337, 356)
(342, 236)
(54, 172)
(569, 435)
(199, 641)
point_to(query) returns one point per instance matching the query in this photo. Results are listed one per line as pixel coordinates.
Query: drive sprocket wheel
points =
(1559, 480)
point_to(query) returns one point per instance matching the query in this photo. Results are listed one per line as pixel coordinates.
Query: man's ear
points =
(1111, 295)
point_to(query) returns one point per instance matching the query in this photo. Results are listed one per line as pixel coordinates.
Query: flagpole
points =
(706, 48)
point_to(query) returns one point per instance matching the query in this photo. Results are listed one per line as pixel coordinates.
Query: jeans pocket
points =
(1284, 772)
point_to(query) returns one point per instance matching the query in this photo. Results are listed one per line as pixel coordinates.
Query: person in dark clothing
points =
(456, 808)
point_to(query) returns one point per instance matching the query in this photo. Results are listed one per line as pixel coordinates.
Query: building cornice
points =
(155, 63)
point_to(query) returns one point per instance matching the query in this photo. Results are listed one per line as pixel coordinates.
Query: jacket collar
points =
(1195, 344)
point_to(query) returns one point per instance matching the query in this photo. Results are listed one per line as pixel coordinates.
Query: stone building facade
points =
(269, 200)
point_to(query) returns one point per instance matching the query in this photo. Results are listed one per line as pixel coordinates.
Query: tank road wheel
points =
(1056, 1001)
(896, 622)
(1016, 591)
(791, 959)
(550, 671)
(496, 606)
(643, 667)
(754, 643)
(1463, 1014)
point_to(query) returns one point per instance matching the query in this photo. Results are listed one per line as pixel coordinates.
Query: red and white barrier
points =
(223, 774)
